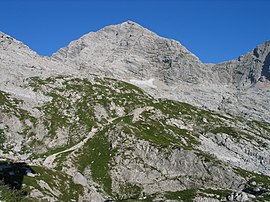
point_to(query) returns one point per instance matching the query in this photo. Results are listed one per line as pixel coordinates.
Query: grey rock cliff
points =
(128, 50)
(248, 69)
(19, 62)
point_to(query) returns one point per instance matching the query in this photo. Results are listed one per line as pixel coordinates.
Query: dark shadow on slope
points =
(266, 67)
(12, 174)
(254, 192)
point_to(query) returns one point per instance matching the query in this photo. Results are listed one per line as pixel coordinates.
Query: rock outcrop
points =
(248, 70)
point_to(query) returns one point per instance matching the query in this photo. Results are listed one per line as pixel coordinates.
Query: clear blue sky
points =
(214, 30)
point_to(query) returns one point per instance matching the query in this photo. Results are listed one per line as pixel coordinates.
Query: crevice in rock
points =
(266, 67)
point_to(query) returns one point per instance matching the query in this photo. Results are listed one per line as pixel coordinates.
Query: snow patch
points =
(148, 82)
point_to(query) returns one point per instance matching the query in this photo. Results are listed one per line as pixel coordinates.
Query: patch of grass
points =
(227, 130)
(251, 176)
(60, 159)
(189, 137)
(11, 106)
(146, 199)
(57, 181)
(36, 82)
(263, 198)
(185, 195)
(208, 158)
(85, 113)
(218, 193)
(11, 195)
(2, 137)
(129, 191)
(174, 108)
(8, 104)
(264, 125)
(237, 134)
(262, 181)
(155, 133)
(54, 117)
(97, 154)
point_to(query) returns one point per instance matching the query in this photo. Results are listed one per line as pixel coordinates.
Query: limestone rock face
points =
(19, 62)
(241, 196)
(248, 69)
(128, 50)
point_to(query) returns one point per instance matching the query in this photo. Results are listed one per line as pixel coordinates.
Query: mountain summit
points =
(128, 50)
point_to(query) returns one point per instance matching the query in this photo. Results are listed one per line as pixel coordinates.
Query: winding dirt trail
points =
(49, 161)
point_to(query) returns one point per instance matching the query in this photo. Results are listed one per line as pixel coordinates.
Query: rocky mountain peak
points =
(247, 70)
(262, 54)
(127, 25)
(19, 62)
(4, 36)
(129, 50)
(132, 23)
(262, 49)
(8, 43)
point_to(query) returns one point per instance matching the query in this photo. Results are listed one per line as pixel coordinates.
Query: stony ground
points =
(112, 140)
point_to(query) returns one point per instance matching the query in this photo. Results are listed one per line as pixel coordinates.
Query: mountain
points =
(129, 50)
(165, 68)
(74, 127)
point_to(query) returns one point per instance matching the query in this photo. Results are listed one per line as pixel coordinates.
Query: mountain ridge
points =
(165, 68)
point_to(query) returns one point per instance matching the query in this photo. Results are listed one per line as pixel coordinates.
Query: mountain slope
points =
(115, 141)
(19, 62)
(165, 68)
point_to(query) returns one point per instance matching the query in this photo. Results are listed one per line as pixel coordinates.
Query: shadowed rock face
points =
(248, 69)
(266, 68)
(12, 173)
